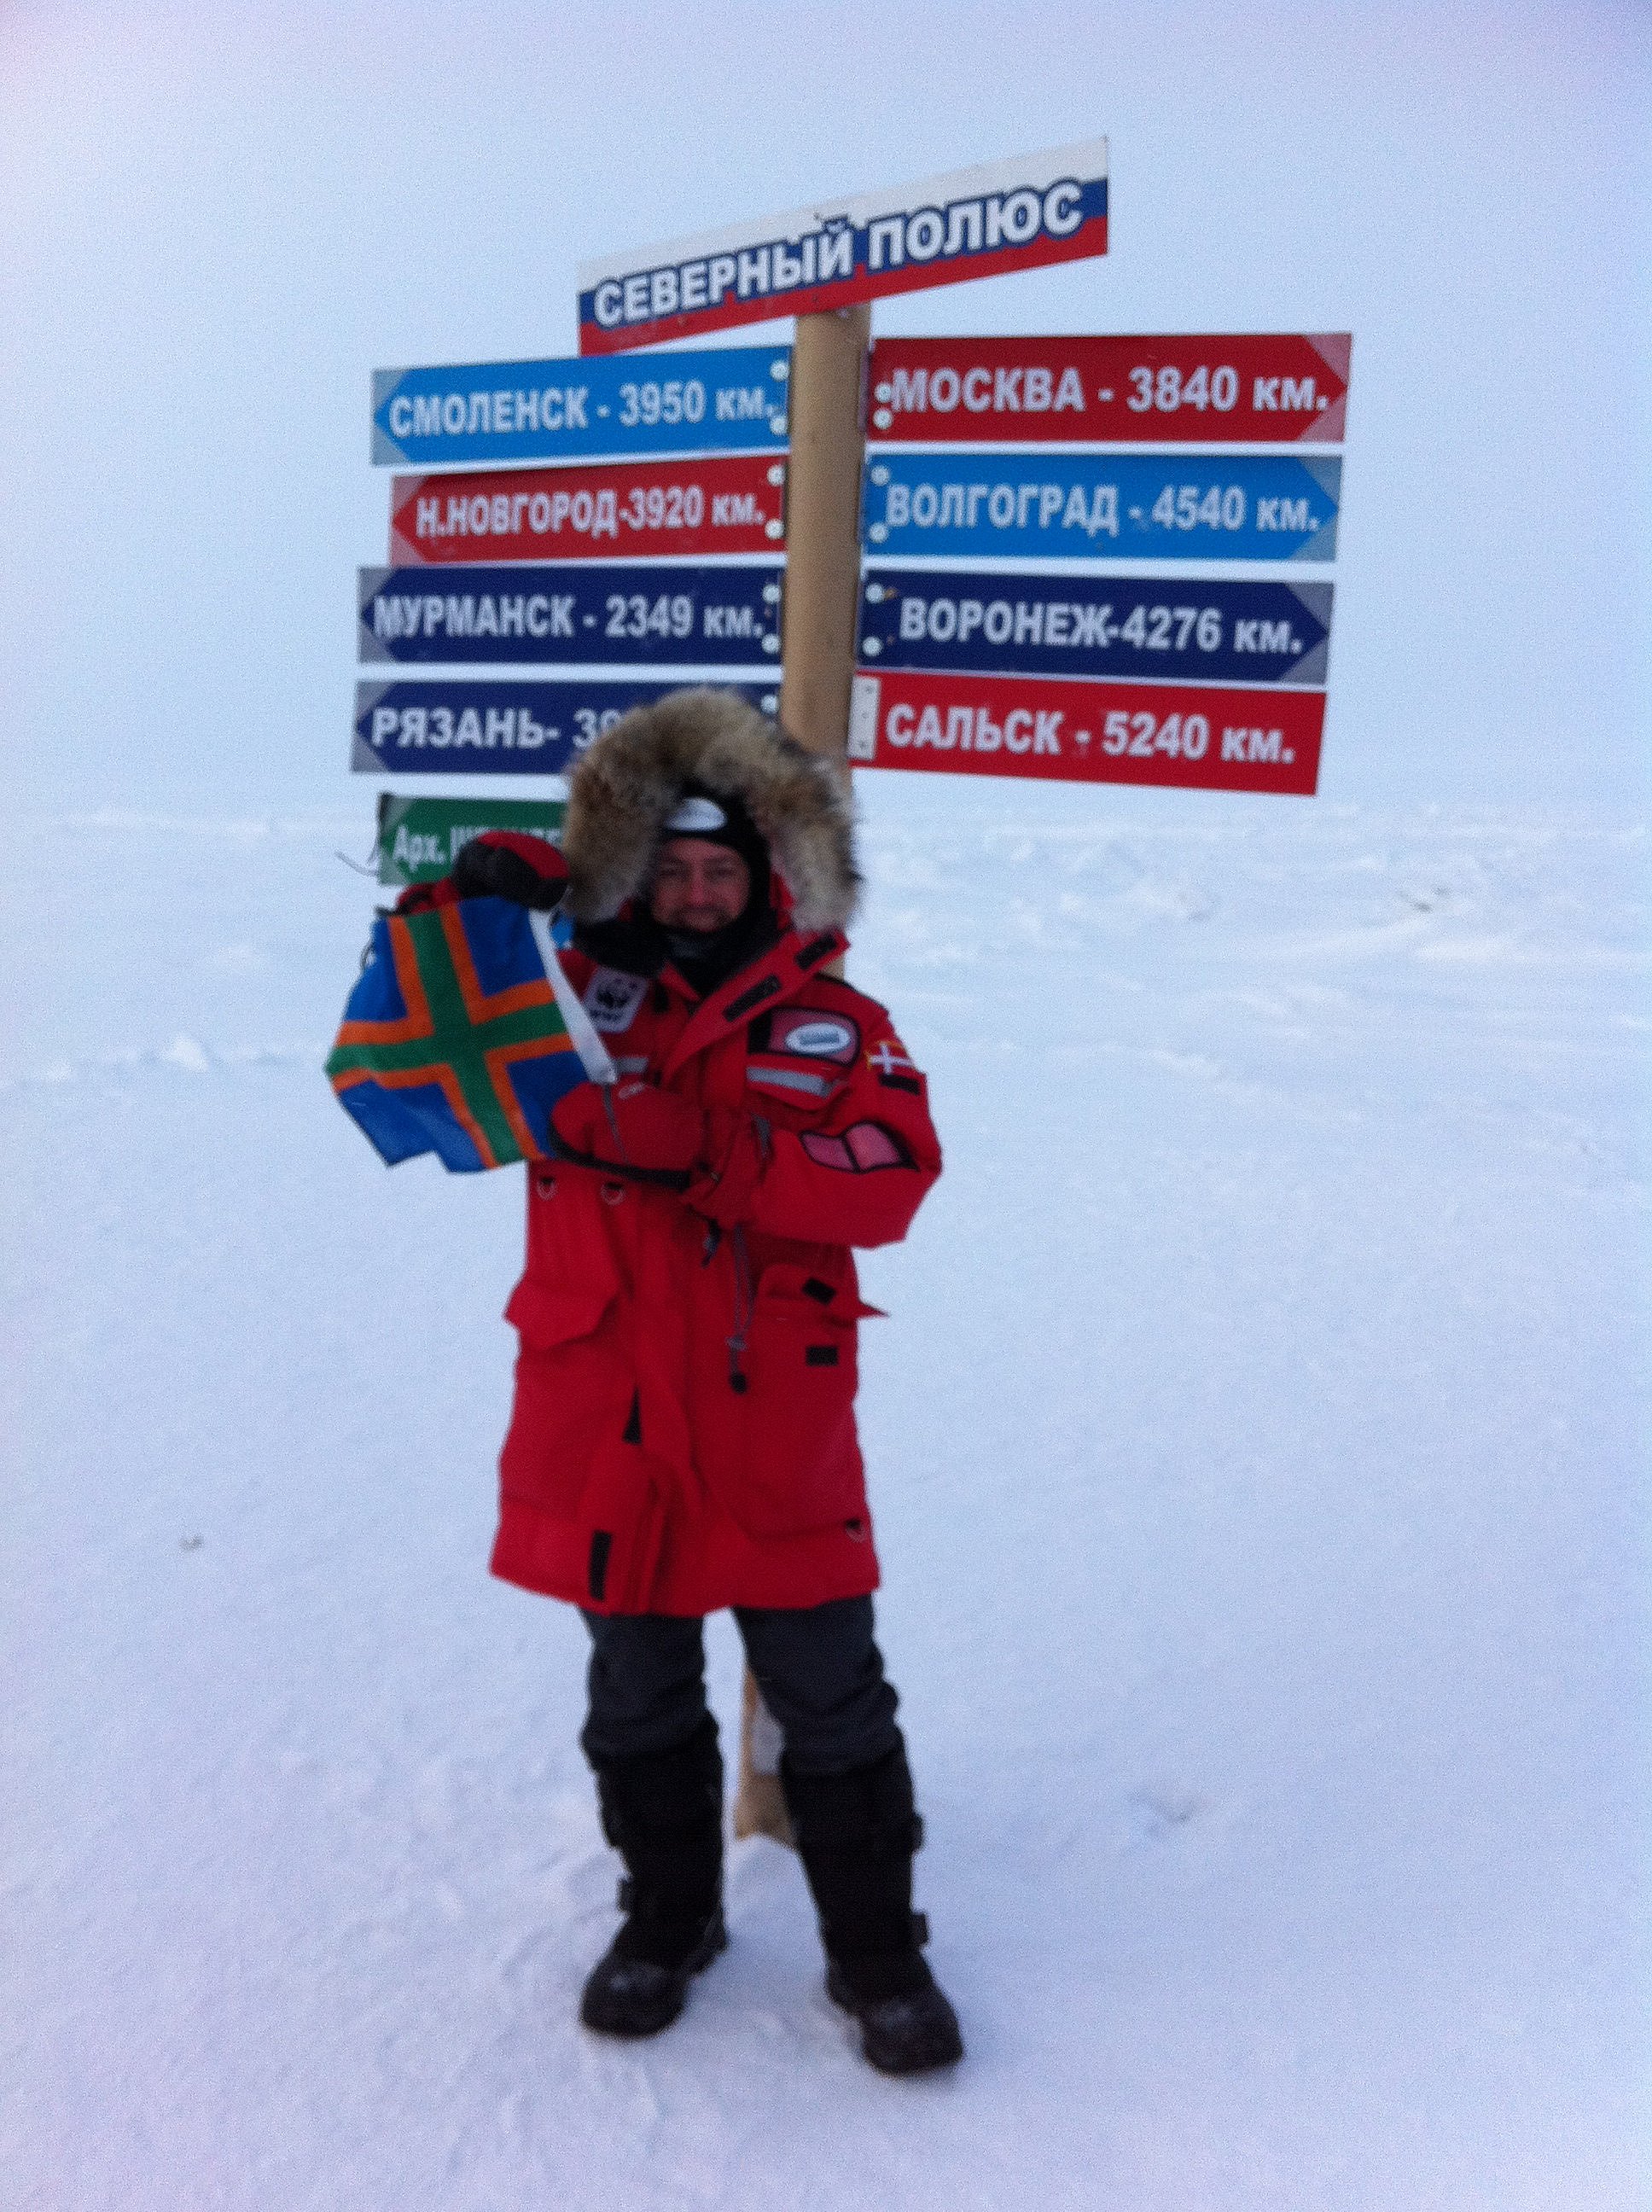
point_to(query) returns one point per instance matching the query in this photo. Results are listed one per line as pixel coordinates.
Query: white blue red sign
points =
(729, 401)
(1087, 506)
(1150, 628)
(666, 614)
(1197, 736)
(480, 727)
(1262, 389)
(617, 510)
(1022, 214)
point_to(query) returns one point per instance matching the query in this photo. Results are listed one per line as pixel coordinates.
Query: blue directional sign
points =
(729, 400)
(665, 614)
(483, 727)
(1158, 507)
(1120, 626)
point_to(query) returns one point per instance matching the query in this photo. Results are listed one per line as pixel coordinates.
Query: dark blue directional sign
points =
(730, 400)
(1119, 626)
(1158, 506)
(666, 614)
(479, 727)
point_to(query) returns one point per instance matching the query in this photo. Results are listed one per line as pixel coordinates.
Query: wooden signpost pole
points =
(817, 642)
(823, 527)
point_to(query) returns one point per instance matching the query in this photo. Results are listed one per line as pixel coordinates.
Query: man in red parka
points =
(683, 1437)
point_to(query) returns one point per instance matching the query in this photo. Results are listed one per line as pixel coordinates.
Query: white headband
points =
(695, 816)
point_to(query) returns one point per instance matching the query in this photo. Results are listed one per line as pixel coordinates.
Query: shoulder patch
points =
(815, 1037)
(889, 1062)
(611, 999)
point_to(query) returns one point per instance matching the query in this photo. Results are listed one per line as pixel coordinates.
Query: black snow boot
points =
(663, 1813)
(856, 1835)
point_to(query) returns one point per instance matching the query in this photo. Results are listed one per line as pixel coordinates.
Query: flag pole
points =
(819, 612)
(582, 1030)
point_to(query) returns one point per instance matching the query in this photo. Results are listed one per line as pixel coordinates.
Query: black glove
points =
(511, 865)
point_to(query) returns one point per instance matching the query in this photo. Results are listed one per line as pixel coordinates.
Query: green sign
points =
(419, 838)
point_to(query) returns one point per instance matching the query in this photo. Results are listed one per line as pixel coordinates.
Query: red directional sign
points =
(621, 510)
(1106, 390)
(1200, 736)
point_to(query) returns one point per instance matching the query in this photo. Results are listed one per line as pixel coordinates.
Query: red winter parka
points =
(682, 1436)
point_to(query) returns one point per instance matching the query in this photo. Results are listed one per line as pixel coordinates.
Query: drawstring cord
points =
(743, 1294)
(613, 1122)
(737, 1380)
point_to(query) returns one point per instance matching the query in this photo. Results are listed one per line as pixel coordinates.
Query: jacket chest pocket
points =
(801, 1467)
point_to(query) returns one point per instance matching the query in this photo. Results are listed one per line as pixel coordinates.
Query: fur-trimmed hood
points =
(629, 782)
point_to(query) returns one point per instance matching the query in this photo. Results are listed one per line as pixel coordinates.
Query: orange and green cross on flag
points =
(452, 1041)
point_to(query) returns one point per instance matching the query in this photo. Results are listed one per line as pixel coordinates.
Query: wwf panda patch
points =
(611, 1000)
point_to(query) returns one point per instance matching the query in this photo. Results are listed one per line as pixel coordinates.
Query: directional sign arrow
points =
(732, 400)
(1196, 736)
(1155, 627)
(1267, 389)
(419, 838)
(1157, 507)
(478, 726)
(670, 614)
(719, 503)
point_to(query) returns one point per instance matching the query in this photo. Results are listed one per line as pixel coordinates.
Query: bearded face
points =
(698, 886)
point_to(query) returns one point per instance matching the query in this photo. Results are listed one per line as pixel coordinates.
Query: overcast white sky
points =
(215, 220)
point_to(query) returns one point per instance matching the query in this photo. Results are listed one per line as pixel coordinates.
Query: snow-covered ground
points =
(1259, 1442)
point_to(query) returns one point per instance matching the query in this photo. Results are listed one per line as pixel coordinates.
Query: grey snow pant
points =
(821, 1675)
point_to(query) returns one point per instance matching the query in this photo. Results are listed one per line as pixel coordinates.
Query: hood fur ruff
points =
(622, 790)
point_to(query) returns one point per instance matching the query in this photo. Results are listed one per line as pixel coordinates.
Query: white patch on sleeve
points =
(611, 1000)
